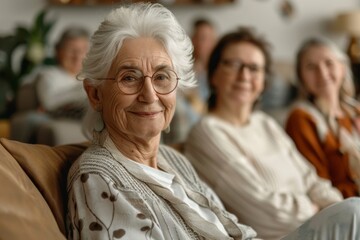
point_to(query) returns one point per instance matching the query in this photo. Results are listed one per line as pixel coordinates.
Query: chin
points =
(149, 134)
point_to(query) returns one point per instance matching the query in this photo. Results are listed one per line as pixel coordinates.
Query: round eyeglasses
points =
(131, 81)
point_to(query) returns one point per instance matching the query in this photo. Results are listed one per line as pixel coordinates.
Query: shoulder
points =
(95, 160)
(308, 119)
(207, 122)
(303, 109)
(208, 126)
(260, 120)
(260, 117)
(174, 158)
(302, 113)
(179, 163)
(299, 113)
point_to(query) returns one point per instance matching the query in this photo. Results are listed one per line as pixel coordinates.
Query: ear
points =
(94, 95)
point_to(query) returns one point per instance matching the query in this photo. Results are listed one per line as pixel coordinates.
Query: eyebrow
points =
(157, 68)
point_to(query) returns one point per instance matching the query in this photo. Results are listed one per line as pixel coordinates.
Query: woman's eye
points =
(161, 77)
(233, 64)
(128, 78)
(310, 67)
(254, 68)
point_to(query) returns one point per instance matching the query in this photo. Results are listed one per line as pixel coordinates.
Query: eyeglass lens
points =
(238, 66)
(131, 81)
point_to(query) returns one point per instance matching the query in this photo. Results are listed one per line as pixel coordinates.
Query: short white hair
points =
(135, 21)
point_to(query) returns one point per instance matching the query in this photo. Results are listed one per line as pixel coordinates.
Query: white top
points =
(166, 181)
(56, 88)
(258, 173)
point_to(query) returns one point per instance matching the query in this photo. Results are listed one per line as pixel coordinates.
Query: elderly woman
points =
(127, 184)
(248, 159)
(57, 88)
(327, 115)
(57, 93)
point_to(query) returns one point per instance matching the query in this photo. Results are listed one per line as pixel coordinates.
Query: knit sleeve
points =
(319, 190)
(242, 190)
(301, 127)
(98, 210)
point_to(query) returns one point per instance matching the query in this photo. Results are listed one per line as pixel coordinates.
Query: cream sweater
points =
(258, 173)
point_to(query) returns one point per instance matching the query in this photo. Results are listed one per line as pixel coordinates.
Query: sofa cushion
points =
(33, 198)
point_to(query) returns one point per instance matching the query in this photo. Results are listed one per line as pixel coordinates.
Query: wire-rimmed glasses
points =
(131, 81)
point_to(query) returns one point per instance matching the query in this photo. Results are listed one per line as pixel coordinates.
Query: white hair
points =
(134, 21)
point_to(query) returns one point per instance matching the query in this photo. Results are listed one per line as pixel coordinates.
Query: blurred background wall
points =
(309, 17)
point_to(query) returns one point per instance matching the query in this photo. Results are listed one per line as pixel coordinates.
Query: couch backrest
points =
(33, 192)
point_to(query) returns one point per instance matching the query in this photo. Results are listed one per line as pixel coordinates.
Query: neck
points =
(237, 116)
(330, 106)
(143, 151)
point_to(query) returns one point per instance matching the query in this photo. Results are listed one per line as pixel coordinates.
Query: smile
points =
(147, 114)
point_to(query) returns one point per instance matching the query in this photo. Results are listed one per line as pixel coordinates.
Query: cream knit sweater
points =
(258, 173)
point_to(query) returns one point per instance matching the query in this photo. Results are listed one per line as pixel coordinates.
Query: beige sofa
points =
(33, 189)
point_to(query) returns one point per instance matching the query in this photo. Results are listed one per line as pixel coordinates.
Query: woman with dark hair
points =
(248, 159)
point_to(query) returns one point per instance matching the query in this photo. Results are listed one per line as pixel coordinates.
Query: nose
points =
(147, 92)
(322, 71)
(244, 73)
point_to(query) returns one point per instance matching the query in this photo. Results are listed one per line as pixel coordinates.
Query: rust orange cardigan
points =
(325, 155)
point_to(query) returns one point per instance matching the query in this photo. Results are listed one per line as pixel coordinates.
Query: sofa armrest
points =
(33, 198)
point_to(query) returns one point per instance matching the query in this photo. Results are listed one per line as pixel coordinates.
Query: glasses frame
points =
(143, 82)
(242, 66)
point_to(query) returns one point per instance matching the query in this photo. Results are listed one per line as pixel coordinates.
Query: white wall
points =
(311, 17)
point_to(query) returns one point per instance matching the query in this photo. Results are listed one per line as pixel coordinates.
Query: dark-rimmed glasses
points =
(131, 81)
(237, 66)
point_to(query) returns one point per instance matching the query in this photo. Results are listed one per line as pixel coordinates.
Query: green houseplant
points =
(32, 42)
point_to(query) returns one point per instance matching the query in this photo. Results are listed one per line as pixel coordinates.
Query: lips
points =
(146, 113)
(242, 87)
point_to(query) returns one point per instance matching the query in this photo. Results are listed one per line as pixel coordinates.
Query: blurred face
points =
(145, 114)
(203, 40)
(239, 78)
(71, 54)
(321, 72)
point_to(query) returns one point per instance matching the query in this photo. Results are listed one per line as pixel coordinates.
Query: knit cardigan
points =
(320, 146)
(107, 200)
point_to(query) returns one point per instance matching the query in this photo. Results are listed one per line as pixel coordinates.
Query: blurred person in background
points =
(247, 157)
(325, 123)
(204, 38)
(53, 92)
(191, 103)
(58, 90)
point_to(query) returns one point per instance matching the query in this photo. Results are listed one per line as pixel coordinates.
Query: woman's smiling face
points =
(145, 114)
(239, 78)
(322, 73)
